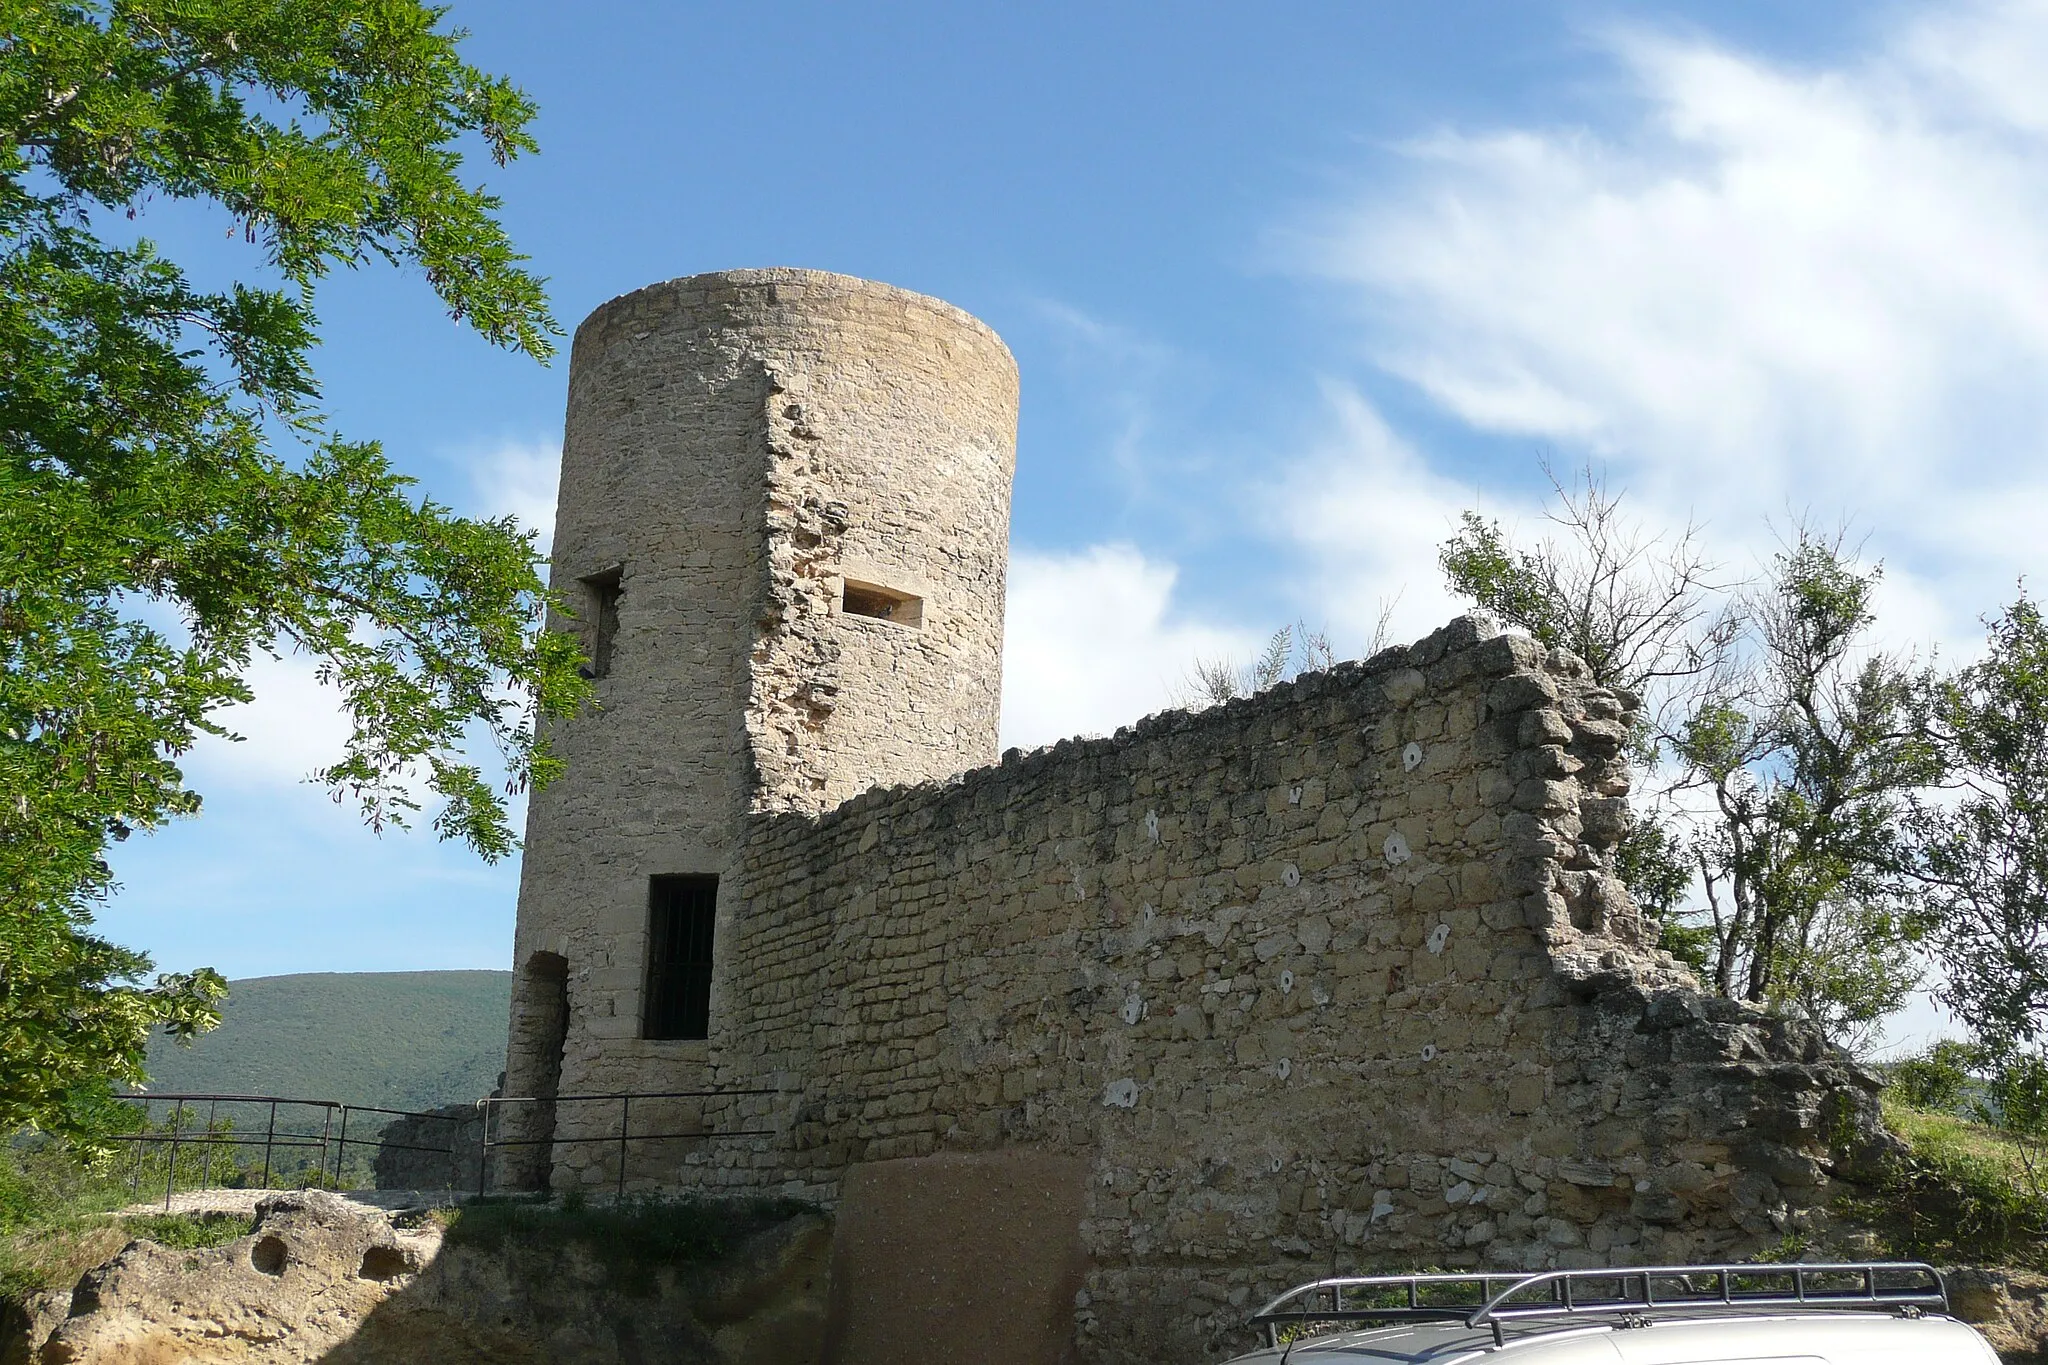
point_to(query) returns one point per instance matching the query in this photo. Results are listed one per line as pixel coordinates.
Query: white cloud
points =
(1760, 290)
(292, 727)
(519, 477)
(1369, 514)
(1091, 643)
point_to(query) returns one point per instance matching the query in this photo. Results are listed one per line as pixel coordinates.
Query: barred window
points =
(681, 911)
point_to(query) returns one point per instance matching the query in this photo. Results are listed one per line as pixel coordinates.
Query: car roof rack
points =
(1627, 1293)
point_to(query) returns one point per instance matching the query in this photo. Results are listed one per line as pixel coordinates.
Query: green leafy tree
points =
(1810, 750)
(1643, 611)
(1984, 858)
(1787, 752)
(171, 500)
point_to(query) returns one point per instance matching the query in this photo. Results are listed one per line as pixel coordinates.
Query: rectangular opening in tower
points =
(883, 604)
(681, 912)
(600, 607)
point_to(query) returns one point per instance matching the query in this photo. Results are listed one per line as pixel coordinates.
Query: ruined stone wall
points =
(891, 428)
(435, 1150)
(1335, 977)
(737, 446)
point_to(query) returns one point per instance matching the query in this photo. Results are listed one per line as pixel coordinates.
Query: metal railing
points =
(1625, 1292)
(622, 1138)
(332, 1137)
(321, 1138)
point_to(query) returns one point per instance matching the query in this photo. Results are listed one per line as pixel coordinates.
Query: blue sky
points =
(1289, 286)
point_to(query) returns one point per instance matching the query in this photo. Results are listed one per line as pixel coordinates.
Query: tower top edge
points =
(712, 283)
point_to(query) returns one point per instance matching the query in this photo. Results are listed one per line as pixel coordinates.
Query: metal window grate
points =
(681, 914)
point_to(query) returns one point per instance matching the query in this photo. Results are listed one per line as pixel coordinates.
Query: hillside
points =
(403, 1040)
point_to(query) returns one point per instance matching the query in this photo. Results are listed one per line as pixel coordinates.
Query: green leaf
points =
(171, 504)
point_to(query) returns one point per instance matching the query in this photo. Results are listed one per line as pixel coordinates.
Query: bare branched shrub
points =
(1289, 652)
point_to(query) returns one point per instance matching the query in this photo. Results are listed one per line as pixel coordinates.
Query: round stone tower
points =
(782, 532)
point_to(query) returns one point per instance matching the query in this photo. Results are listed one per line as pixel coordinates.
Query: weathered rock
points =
(321, 1279)
(25, 1327)
(2010, 1307)
(298, 1285)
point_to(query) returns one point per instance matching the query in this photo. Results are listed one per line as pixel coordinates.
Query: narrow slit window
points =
(601, 618)
(882, 604)
(681, 911)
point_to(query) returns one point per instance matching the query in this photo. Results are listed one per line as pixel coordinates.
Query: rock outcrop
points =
(322, 1279)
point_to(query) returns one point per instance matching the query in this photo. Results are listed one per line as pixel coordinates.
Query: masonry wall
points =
(891, 431)
(737, 446)
(1336, 977)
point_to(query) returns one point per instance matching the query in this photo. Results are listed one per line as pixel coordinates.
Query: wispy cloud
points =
(1365, 513)
(1755, 288)
(518, 477)
(1125, 377)
(294, 725)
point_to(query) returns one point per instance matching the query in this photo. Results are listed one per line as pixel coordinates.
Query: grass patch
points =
(188, 1231)
(54, 1256)
(56, 1219)
(53, 1223)
(1989, 1154)
(631, 1239)
(1967, 1192)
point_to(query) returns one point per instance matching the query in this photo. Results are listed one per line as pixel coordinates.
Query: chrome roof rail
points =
(1628, 1293)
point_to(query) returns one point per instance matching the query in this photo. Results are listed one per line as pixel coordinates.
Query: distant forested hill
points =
(403, 1040)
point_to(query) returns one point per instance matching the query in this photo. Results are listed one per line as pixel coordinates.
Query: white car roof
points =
(1680, 1338)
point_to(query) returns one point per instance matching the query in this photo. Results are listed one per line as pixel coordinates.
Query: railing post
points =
(341, 1148)
(269, 1134)
(483, 1145)
(326, 1128)
(135, 1174)
(625, 1121)
(171, 1170)
(206, 1161)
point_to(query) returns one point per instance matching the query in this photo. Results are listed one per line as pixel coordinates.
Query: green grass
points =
(1987, 1154)
(1967, 1193)
(402, 1040)
(58, 1219)
(188, 1231)
(631, 1239)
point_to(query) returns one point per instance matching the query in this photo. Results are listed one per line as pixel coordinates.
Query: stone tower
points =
(783, 529)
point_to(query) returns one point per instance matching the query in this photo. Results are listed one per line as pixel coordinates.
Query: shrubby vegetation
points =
(1974, 1184)
(403, 1040)
(1798, 835)
(1289, 651)
(57, 1219)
